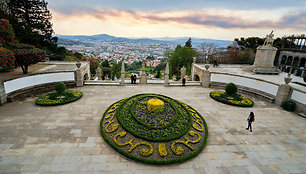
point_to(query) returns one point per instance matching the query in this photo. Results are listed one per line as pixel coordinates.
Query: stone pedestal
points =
(3, 96)
(264, 60)
(206, 79)
(283, 94)
(166, 81)
(78, 78)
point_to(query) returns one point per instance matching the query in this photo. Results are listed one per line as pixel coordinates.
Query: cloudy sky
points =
(216, 19)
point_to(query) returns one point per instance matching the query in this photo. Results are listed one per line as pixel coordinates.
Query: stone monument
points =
(265, 56)
(143, 75)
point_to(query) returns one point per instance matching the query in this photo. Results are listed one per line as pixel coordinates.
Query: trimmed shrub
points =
(231, 89)
(60, 87)
(7, 35)
(7, 59)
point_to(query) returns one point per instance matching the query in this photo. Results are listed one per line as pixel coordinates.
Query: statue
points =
(264, 58)
(99, 73)
(269, 39)
(173, 78)
(183, 72)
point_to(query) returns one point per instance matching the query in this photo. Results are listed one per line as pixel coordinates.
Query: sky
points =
(214, 19)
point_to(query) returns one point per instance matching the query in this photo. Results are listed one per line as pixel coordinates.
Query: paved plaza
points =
(67, 139)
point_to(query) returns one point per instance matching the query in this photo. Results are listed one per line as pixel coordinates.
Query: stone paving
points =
(66, 138)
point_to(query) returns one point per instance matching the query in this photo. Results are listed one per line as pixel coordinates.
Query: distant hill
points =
(70, 39)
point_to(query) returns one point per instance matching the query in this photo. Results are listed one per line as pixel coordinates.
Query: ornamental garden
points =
(61, 96)
(230, 96)
(154, 129)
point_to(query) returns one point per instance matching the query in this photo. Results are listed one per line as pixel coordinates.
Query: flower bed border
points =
(61, 103)
(154, 162)
(229, 103)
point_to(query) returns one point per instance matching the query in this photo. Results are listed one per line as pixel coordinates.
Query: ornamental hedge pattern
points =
(55, 98)
(236, 99)
(174, 135)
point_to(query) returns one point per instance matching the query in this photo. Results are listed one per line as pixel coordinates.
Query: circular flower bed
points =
(174, 134)
(55, 98)
(236, 99)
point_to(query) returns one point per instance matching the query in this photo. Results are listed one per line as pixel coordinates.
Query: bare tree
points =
(207, 52)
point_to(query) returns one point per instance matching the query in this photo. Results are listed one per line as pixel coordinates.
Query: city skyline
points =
(202, 19)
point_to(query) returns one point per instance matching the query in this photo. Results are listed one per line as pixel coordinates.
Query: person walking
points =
(132, 79)
(250, 119)
(183, 81)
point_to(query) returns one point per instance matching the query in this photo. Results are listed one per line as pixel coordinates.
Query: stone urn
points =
(288, 79)
(78, 64)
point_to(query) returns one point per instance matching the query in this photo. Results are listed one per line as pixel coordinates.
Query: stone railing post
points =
(206, 77)
(78, 75)
(284, 92)
(3, 96)
(122, 78)
(166, 81)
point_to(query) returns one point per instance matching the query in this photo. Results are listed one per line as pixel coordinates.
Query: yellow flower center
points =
(155, 105)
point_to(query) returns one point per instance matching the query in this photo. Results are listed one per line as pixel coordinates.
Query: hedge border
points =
(155, 162)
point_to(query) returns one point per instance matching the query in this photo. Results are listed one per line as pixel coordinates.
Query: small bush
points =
(7, 59)
(304, 78)
(60, 87)
(231, 89)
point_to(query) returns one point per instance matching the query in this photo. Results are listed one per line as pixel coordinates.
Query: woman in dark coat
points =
(250, 119)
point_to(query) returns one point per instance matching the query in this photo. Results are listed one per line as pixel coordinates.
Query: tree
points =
(105, 63)
(27, 55)
(207, 51)
(249, 43)
(35, 15)
(158, 74)
(188, 43)
(181, 56)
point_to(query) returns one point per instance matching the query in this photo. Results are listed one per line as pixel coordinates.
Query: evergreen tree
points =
(35, 14)
(188, 43)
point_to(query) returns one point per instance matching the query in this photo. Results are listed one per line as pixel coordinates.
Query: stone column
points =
(284, 92)
(192, 69)
(166, 81)
(79, 81)
(2, 93)
(143, 75)
(206, 79)
(122, 79)
(78, 75)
